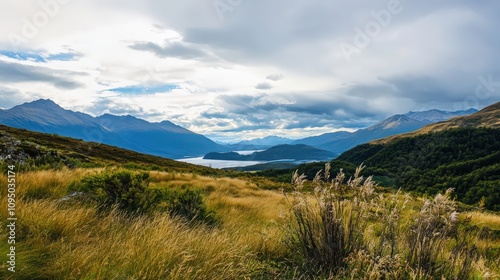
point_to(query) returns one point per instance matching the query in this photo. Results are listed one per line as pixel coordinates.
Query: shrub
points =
(189, 205)
(127, 191)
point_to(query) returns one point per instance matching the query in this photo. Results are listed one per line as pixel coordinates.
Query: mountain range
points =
(162, 139)
(339, 142)
(172, 141)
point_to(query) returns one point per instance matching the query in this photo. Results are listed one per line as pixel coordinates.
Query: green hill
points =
(34, 150)
(279, 152)
(466, 159)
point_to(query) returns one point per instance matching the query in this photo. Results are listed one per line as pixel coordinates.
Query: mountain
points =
(258, 143)
(434, 116)
(46, 116)
(461, 153)
(267, 141)
(339, 142)
(279, 152)
(162, 139)
(31, 150)
(394, 125)
(489, 117)
(323, 138)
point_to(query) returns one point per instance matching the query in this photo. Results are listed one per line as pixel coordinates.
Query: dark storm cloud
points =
(296, 113)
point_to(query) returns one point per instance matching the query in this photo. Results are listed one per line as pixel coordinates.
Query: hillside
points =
(488, 117)
(279, 152)
(466, 159)
(35, 150)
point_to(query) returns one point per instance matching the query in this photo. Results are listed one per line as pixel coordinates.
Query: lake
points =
(222, 163)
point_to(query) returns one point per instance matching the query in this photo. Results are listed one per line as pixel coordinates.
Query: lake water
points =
(221, 163)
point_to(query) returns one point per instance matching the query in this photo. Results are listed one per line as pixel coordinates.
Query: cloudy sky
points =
(240, 69)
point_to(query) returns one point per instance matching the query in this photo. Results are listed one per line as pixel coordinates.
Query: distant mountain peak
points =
(41, 103)
(394, 122)
(435, 115)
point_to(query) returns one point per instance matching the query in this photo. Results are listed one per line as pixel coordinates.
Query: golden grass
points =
(67, 240)
(484, 219)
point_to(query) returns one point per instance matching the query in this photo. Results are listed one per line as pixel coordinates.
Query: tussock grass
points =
(60, 239)
(484, 219)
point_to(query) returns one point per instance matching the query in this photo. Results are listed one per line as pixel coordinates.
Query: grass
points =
(60, 239)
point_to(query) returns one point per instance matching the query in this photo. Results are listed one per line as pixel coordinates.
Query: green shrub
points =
(126, 191)
(129, 192)
(189, 205)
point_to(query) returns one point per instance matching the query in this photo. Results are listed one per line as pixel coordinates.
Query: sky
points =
(242, 69)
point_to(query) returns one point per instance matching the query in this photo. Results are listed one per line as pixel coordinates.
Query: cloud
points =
(428, 56)
(275, 77)
(264, 86)
(18, 73)
(175, 49)
(68, 56)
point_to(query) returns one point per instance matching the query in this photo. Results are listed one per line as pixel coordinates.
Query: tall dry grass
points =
(347, 231)
(70, 240)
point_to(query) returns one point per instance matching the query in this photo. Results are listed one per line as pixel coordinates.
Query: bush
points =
(127, 191)
(189, 205)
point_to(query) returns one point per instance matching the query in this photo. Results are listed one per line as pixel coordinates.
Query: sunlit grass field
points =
(67, 239)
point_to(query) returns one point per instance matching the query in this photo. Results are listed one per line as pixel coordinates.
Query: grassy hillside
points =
(76, 215)
(71, 239)
(33, 150)
(467, 160)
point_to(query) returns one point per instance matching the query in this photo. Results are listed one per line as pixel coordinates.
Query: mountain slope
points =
(31, 150)
(433, 116)
(342, 141)
(322, 139)
(466, 159)
(163, 139)
(462, 153)
(258, 143)
(158, 138)
(394, 125)
(488, 117)
(46, 116)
